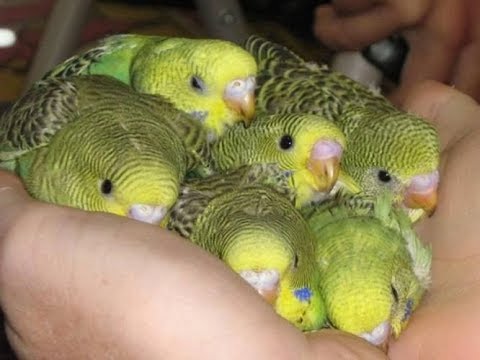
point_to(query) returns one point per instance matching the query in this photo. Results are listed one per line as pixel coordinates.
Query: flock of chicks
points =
(311, 199)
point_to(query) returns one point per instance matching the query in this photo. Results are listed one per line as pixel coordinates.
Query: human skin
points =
(444, 327)
(76, 285)
(444, 37)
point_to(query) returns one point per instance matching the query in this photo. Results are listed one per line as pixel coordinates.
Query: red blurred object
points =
(28, 21)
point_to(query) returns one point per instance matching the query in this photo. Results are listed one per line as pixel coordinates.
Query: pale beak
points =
(239, 96)
(422, 193)
(379, 336)
(324, 163)
(265, 282)
(147, 213)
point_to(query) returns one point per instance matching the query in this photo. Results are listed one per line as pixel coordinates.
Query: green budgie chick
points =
(308, 145)
(387, 149)
(212, 80)
(245, 218)
(373, 268)
(93, 143)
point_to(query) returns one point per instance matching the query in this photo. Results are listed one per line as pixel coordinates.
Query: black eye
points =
(295, 262)
(197, 83)
(106, 187)
(286, 142)
(394, 293)
(384, 176)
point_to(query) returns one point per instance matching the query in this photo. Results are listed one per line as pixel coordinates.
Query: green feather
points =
(260, 144)
(244, 218)
(196, 193)
(373, 267)
(167, 66)
(66, 136)
(113, 56)
(379, 136)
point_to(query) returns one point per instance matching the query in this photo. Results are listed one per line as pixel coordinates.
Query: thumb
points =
(453, 113)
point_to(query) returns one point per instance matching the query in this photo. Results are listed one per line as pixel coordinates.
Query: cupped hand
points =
(77, 285)
(444, 326)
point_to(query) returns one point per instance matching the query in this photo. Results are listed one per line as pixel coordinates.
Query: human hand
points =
(77, 285)
(444, 37)
(444, 326)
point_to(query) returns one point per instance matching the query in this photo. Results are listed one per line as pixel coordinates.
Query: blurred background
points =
(285, 21)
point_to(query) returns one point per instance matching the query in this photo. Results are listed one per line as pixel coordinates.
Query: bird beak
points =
(379, 336)
(324, 163)
(422, 193)
(265, 282)
(426, 201)
(147, 213)
(270, 295)
(240, 97)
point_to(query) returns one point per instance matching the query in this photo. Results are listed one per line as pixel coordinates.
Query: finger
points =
(344, 7)
(434, 46)
(467, 72)
(427, 60)
(333, 344)
(364, 28)
(453, 113)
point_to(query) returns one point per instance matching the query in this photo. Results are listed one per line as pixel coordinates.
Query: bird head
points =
(212, 80)
(396, 152)
(308, 145)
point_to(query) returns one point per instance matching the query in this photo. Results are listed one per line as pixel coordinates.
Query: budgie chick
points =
(308, 145)
(212, 80)
(373, 268)
(245, 218)
(388, 150)
(93, 143)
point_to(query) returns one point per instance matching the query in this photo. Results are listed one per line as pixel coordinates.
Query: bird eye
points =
(384, 176)
(295, 262)
(106, 187)
(286, 142)
(197, 83)
(394, 293)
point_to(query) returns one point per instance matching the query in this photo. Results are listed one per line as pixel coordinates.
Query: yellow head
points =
(144, 191)
(261, 236)
(303, 306)
(368, 279)
(113, 160)
(309, 145)
(285, 277)
(213, 80)
(374, 305)
(393, 151)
